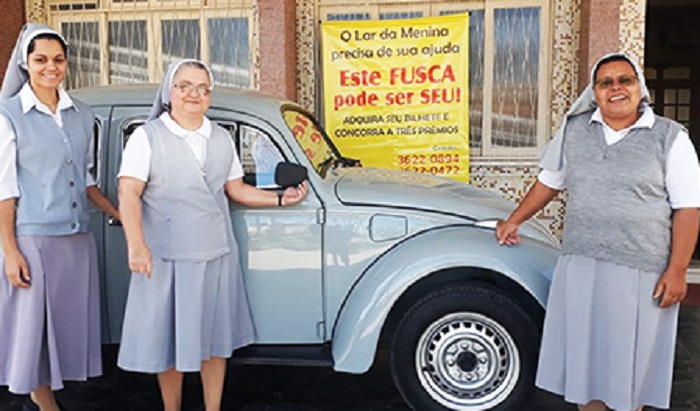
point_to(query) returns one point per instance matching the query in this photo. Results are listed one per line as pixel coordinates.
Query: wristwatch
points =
(279, 199)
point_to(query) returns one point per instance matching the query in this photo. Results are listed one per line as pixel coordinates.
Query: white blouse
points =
(682, 175)
(136, 158)
(8, 140)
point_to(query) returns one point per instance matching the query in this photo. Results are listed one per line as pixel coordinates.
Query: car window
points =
(259, 156)
(95, 149)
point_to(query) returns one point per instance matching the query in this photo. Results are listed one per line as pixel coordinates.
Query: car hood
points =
(376, 187)
(411, 191)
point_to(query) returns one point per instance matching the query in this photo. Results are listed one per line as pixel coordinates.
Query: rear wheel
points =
(465, 348)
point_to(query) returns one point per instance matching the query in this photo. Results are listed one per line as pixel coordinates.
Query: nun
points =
(187, 309)
(49, 295)
(630, 230)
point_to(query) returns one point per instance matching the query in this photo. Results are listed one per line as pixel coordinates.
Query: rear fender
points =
(363, 314)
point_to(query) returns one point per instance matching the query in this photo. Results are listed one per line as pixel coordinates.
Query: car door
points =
(122, 122)
(280, 248)
(97, 218)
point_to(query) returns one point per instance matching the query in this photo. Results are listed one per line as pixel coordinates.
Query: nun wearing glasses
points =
(187, 309)
(630, 230)
(49, 293)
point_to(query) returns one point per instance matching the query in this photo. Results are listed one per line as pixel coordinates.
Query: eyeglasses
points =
(187, 88)
(624, 81)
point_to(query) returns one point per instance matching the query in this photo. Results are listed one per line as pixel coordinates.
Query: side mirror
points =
(290, 174)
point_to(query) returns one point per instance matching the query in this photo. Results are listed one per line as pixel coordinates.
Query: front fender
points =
(359, 324)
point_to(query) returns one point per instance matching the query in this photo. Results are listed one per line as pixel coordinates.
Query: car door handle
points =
(113, 222)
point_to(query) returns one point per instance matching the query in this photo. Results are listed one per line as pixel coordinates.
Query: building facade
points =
(529, 59)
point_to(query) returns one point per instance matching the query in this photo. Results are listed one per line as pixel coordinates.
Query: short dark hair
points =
(47, 36)
(610, 59)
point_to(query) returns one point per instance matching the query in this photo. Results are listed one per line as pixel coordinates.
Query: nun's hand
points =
(293, 195)
(140, 260)
(671, 288)
(17, 270)
(507, 232)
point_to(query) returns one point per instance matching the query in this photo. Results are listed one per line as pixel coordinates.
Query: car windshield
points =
(320, 151)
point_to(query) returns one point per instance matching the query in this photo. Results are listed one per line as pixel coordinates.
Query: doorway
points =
(672, 67)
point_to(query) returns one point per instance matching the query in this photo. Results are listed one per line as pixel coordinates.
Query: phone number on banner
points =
(442, 163)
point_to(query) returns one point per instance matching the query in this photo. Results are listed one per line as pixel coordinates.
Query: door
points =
(116, 277)
(280, 248)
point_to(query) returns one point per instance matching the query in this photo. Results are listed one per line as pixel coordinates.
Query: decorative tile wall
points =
(306, 66)
(37, 11)
(632, 28)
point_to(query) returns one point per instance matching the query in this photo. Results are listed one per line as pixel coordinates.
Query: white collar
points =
(204, 130)
(29, 100)
(646, 120)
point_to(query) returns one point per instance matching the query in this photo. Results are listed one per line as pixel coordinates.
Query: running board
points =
(296, 355)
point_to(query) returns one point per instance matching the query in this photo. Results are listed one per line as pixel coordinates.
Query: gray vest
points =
(185, 208)
(618, 208)
(51, 166)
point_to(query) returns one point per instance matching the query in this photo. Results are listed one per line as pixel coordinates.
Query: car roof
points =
(222, 97)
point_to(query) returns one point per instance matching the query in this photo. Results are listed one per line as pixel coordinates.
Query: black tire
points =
(476, 349)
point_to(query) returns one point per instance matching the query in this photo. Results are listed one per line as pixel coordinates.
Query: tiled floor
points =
(252, 388)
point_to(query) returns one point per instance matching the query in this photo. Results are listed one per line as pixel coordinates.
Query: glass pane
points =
(259, 156)
(180, 39)
(670, 112)
(451, 12)
(652, 96)
(515, 88)
(347, 16)
(684, 96)
(83, 54)
(650, 73)
(400, 15)
(683, 113)
(230, 60)
(677, 73)
(670, 96)
(128, 52)
(476, 76)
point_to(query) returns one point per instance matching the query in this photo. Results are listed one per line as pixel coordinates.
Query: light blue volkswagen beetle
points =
(371, 258)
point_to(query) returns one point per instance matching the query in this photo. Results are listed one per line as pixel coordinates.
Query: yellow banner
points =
(396, 92)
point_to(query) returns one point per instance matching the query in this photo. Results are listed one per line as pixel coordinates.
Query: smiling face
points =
(618, 94)
(190, 95)
(46, 64)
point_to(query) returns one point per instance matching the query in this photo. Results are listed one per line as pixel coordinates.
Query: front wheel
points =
(465, 348)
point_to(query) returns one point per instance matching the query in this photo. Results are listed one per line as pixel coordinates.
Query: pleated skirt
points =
(50, 332)
(186, 313)
(605, 338)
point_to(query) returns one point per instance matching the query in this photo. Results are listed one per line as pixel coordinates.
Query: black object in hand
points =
(290, 174)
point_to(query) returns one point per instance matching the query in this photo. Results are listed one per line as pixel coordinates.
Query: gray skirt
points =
(186, 313)
(50, 332)
(605, 338)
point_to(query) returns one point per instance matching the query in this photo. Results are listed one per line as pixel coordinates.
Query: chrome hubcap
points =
(467, 361)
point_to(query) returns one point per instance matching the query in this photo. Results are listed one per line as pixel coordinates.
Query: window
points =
(259, 156)
(95, 150)
(134, 41)
(508, 66)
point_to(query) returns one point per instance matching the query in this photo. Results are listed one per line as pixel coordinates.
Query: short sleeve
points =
(8, 160)
(683, 173)
(136, 157)
(554, 179)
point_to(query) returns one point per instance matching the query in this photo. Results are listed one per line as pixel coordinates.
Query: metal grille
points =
(138, 39)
